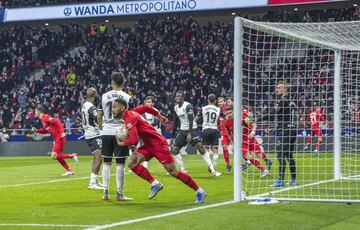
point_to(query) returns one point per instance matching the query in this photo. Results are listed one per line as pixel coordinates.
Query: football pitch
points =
(33, 195)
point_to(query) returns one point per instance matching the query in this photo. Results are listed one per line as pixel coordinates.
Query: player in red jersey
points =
(154, 145)
(249, 143)
(224, 137)
(315, 119)
(55, 128)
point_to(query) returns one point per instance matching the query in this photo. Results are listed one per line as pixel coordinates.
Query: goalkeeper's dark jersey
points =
(285, 112)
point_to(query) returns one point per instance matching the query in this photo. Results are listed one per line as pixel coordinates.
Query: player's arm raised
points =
(147, 109)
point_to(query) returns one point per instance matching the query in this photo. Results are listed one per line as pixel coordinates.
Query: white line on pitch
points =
(42, 182)
(50, 225)
(289, 188)
(159, 216)
(47, 182)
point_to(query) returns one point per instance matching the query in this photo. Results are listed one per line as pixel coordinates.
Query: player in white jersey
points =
(92, 135)
(185, 114)
(110, 149)
(210, 116)
(154, 121)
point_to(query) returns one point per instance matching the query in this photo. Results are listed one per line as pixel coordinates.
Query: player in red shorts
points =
(315, 119)
(154, 145)
(249, 143)
(55, 128)
(224, 137)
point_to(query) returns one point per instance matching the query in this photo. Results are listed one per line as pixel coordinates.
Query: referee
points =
(286, 125)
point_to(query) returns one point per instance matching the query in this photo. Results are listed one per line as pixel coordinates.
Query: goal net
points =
(319, 64)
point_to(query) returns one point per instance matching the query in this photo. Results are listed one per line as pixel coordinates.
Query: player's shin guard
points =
(180, 162)
(120, 178)
(64, 164)
(226, 156)
(186, 179)
(142, 172)
(106, 176)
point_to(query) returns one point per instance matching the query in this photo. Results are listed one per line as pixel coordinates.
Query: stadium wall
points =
(42, 148)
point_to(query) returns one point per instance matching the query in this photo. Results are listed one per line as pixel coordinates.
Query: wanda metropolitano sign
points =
(133, 8)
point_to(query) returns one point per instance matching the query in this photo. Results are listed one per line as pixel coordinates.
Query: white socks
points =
(207, 159)
(93, 178)
(120, 177)
(106, 176)
(215, 159)
(145, 164)
(155, 182)
(180, 162)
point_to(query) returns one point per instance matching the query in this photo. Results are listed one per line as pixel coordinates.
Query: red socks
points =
(64, 164)
(318, 145)
(226, 156)
(263, 155)
(63, 156)
(257, 164)
(142, 172)
(308, 141)
(186, 179)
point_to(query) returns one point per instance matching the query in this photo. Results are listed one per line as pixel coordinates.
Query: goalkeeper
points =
(285, 116)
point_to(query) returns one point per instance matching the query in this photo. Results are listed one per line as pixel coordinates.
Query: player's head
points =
(150, 101)
(229, 103)
(317, 108)
(91, 93)
(179, 97)
(39, 110)
(221, 101)
(212, 99)
(281, 89)
(119, 106)
(117, 80)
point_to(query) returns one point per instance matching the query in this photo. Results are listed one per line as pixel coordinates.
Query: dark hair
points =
(41, 108)
(121, 101)
(212, 98)
(152, 98)
(117, 78)
(230, 98)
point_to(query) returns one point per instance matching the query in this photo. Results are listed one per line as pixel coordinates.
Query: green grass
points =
(70, 202)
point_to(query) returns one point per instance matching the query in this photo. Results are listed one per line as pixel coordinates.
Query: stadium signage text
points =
(129, 8)
(124, 8)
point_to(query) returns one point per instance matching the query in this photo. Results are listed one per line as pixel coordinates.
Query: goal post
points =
(320, 64)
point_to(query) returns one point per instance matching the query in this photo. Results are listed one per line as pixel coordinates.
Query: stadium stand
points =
(157, 56)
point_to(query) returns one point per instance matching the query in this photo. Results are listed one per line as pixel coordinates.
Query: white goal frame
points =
(239, 25)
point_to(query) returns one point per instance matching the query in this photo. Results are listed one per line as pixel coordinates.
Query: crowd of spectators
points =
(157, 57)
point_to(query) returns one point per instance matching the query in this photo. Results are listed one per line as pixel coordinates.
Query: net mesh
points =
(303, 57)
